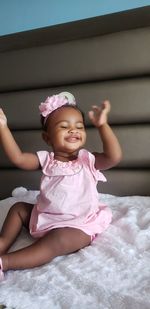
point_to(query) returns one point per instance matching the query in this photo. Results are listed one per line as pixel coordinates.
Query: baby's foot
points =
(1, 270)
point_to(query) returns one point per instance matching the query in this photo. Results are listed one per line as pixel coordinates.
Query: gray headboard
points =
(102, 57)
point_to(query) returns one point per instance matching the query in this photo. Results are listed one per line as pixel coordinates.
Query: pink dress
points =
(68, 196)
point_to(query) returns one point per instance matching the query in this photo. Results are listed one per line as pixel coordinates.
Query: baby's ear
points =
(46, 138)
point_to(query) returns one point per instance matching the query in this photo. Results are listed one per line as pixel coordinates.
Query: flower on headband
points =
(52, 103)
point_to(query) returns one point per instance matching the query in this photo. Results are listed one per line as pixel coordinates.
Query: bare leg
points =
(57, 242)
(18, 216)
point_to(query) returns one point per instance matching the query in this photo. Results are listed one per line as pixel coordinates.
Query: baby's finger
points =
(106, 105)
(91, 115)
(96, 108)
(1, 112)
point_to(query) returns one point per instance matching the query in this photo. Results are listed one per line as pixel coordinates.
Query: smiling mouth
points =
(73, 139)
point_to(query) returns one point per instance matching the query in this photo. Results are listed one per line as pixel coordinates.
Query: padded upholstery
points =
(111, 65)
(112, 56)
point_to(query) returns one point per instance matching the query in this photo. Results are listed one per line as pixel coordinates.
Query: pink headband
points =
(54, 102)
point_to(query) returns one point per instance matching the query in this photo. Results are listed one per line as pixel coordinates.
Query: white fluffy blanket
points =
(112, 273)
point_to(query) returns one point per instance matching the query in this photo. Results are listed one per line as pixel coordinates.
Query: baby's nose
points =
(72, 130)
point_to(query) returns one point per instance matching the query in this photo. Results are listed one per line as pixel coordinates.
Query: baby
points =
(68, 213)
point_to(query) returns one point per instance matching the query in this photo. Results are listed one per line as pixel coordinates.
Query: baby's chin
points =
(74, 148)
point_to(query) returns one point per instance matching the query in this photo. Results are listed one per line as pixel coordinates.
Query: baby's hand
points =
(3, 119)
(98, 115)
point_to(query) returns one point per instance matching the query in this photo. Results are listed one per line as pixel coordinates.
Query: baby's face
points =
(66, 131)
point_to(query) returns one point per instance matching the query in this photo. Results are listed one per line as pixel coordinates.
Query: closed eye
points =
(80, 128)
(64, 126)
(77, 126)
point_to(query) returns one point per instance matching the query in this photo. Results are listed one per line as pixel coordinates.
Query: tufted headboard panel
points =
(105, 63)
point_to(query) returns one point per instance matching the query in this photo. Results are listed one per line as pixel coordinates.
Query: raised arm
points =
(27, 161)
(112, 153)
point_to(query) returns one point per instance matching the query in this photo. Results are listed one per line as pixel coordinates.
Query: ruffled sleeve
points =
(46, 160)
(88, 158)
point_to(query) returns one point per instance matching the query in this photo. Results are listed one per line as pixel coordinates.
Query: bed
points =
(101, 57)
(113, 272)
